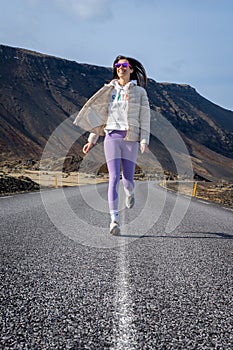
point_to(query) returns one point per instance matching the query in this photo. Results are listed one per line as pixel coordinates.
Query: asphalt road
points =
(166, 283)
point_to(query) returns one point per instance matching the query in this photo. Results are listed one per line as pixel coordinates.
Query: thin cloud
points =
(97, 10)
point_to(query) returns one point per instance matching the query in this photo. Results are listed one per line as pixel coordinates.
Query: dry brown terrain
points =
(57, 179)
(217, 192)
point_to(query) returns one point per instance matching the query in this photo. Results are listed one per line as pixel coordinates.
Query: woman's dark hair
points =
(138, 74)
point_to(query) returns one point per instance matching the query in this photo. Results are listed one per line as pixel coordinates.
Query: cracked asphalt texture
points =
(155, 291)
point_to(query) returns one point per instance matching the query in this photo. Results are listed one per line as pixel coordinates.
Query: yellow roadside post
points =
(164, 182)
(56, 181)
(195, 189)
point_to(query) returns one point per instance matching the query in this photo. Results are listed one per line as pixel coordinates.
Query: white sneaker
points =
(114, 228)
(129, 201)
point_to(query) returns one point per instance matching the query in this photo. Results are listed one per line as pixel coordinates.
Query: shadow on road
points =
(220, 235)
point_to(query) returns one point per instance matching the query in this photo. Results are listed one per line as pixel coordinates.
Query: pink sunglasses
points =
(124, 64)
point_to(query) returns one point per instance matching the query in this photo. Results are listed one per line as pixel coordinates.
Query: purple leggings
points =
(119, 152)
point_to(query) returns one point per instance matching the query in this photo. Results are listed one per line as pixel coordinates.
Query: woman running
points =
(120, 111)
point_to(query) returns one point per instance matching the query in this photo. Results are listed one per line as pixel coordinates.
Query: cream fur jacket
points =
(93, 115)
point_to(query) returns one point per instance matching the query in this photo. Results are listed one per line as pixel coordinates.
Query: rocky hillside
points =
(10, 184)
(38, 92)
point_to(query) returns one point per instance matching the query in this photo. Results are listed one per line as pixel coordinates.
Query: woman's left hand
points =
(143, 147)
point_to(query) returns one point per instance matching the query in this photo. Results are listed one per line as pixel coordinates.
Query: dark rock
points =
(10, 184)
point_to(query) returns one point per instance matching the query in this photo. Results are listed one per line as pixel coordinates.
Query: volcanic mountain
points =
(39, 93)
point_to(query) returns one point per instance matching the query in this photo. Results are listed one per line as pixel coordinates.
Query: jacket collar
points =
(115, 84)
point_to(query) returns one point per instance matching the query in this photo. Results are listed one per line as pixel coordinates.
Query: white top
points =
(117, 118)
(118, 107)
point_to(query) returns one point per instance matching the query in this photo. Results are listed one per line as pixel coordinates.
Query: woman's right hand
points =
(87, 147)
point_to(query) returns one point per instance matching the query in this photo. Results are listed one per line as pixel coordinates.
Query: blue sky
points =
(180, 41)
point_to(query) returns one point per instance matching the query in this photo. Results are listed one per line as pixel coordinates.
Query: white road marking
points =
(207, 203)
(231, 209)
(124, 330)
